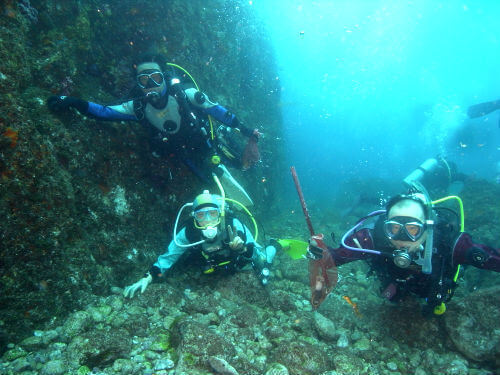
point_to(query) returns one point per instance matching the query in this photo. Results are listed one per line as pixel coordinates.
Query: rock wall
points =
(85, 205)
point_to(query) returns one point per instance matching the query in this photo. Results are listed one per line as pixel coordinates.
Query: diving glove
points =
(314, 252)
(142, 284)
(247, 132)
(62, 103)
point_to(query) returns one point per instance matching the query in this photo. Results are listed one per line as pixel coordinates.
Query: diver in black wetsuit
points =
(415, 248)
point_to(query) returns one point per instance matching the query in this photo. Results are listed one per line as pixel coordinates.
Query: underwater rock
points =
(343, 341)
(28, 11)
(77, 323)
(457, 367)
(99, 348)
(301, 357)
(221, 366)
(392, 366)
(32, 343)
(472, 324)
(121, 366)
(13, 354)
(362, 344)
(196, 342)
(55, 367)
(164, 364)
(325, 327)
(282, 300)
(277, 369)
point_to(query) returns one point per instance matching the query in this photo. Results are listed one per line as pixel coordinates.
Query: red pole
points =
(302, 200)
(323, 274)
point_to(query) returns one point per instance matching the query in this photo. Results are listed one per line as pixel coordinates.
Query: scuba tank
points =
(426, 167)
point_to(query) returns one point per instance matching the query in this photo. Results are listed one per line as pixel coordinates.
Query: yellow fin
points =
(296, 249)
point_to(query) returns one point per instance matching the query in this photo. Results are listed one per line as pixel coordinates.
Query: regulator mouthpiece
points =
(401, 258)
(209, 232)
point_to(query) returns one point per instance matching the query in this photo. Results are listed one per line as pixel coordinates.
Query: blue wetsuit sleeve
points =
(121, 112)
(227, 118)
(201, 101)
(173, 253)
(221, 114)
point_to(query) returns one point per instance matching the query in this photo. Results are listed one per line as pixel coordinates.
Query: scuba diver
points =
(440, 174)
(414, 247)
(178, 116)
(221, 242)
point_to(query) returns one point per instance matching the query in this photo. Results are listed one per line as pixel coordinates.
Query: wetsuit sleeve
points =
(362, 240)
(243, 231)
(200, 100)
(171, 256)
(465, 251)
(120, 112)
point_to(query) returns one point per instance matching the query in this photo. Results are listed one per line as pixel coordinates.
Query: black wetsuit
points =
(451, 248)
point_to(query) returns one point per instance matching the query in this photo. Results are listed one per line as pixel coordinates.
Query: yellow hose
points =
(223, 205)
(462, 216)
(462, 221)
(249, 214)
(197, 88)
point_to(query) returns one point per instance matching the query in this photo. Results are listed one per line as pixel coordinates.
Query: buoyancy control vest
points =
(175, 117)
(436, 287)
(216, 254)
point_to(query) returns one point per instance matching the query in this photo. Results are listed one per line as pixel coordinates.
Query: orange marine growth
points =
(12, 135)
(354, 305)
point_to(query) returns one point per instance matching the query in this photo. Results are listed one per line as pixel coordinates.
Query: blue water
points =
(373, 88)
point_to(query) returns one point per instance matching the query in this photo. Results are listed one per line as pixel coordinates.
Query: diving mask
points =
(150, 80)
(404, 228)
(207, 214)
(207, 220)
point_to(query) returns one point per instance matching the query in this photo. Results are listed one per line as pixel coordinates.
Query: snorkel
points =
(429, 241)
(415, 188)
(413, 182)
